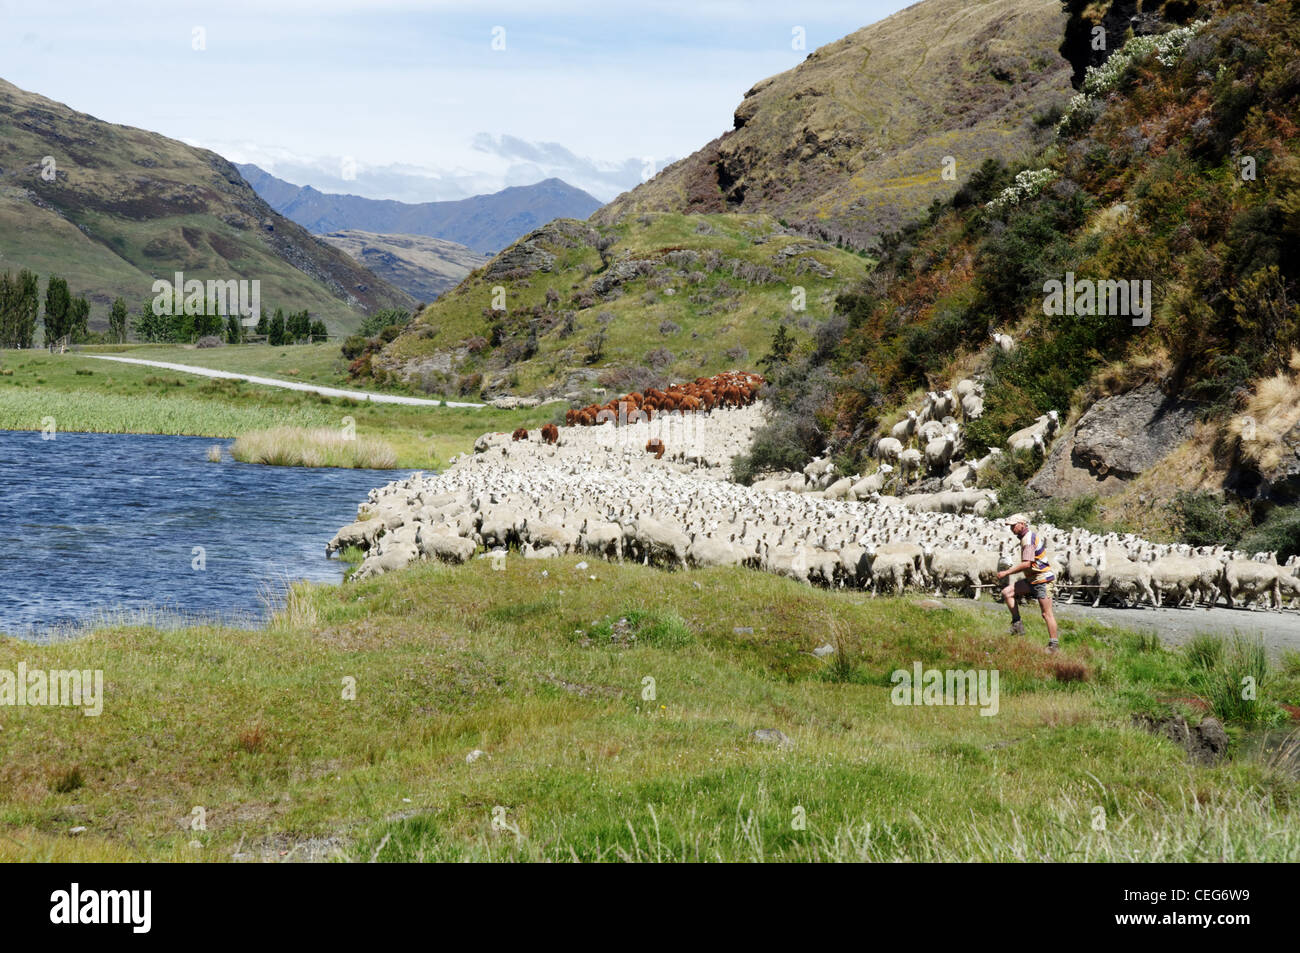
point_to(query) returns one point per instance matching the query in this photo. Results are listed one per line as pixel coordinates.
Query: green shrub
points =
(1205, 519)
(1280, 531)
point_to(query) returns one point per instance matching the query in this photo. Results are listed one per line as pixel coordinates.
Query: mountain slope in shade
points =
(423, 267)
(125, 206)
(484, 223)
(851, 143)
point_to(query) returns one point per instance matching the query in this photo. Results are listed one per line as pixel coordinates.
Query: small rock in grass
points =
(773, 736)
(474, 755)
(824, 650)
(77, 830)
(743, 630)
(581, 565)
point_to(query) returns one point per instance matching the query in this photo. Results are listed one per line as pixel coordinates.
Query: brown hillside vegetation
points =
(851, 143)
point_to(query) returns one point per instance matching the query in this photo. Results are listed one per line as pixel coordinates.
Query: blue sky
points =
(413, 93)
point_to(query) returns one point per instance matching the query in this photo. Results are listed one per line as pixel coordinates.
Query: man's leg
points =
(1009, 594)
(1050, 618)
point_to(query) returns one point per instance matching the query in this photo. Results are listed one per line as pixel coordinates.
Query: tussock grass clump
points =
(315, 447)
(214, 453)
(1271, 413)
(1231, 678)
(67, 780)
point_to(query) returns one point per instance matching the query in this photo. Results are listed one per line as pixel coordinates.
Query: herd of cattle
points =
(598, 492)
(703, 395)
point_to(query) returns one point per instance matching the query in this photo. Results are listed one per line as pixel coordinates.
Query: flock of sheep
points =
(597, 490)
(929, 440)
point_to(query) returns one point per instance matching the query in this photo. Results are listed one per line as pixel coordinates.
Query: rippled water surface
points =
(96, 523)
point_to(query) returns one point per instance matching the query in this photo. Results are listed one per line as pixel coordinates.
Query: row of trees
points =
(20, 308)
(66, 316)
(277, 329)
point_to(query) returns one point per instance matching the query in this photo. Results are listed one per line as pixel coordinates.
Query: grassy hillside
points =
(676, 295)
(851, 143)
(126, 206)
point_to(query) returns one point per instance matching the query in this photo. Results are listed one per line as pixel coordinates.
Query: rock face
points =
(1118, 438)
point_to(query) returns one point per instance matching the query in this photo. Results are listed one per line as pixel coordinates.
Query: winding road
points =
(287, 385)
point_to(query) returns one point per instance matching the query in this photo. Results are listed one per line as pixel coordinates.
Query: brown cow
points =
(656, 446)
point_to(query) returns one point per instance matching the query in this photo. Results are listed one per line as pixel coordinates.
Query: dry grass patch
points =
(1272, 412)
(315, 447)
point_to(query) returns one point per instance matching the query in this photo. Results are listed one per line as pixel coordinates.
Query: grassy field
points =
(551, 676)
(83, 394)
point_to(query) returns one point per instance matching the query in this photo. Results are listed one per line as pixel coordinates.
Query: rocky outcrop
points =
(1115, 440)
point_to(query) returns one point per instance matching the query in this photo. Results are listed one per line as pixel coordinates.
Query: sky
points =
(422, 100)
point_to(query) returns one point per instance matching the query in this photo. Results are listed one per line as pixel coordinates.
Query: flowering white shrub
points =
(1026, 185)
(1100, 80)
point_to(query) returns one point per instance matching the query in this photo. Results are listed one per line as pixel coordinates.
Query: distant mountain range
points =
(423, 267)
(483, 223)
(110, 208)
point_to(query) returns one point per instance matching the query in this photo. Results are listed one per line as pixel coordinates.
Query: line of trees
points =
(66, 316)
(277, 328)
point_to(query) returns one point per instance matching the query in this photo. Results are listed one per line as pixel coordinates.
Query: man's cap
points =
(1017, 518)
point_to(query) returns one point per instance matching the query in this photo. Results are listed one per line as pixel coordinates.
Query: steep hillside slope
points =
(120, 206)
(851, 143)
(485, 223)
(655, 296)
(423, 267)
(1179, 165)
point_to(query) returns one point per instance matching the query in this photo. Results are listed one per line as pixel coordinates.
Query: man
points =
(1037, 567)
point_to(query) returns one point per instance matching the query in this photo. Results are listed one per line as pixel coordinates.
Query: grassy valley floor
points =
(615, 708)
(84, 394)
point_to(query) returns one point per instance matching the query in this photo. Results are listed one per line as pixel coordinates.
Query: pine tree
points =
(782, 348)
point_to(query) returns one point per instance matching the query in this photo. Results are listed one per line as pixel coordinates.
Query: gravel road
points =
(1280, 630)
(287, 385)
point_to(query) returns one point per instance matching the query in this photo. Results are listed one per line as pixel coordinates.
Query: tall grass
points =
(317, 447)
(22, 409)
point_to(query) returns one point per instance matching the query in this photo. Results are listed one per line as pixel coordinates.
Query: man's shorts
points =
(1041, 590)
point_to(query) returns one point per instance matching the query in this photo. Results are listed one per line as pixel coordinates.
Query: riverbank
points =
(83, 394)
(614, 709)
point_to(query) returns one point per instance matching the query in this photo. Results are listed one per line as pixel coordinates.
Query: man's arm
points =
(1019, 567)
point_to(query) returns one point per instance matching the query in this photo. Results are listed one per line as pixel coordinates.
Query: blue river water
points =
(95, 525)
